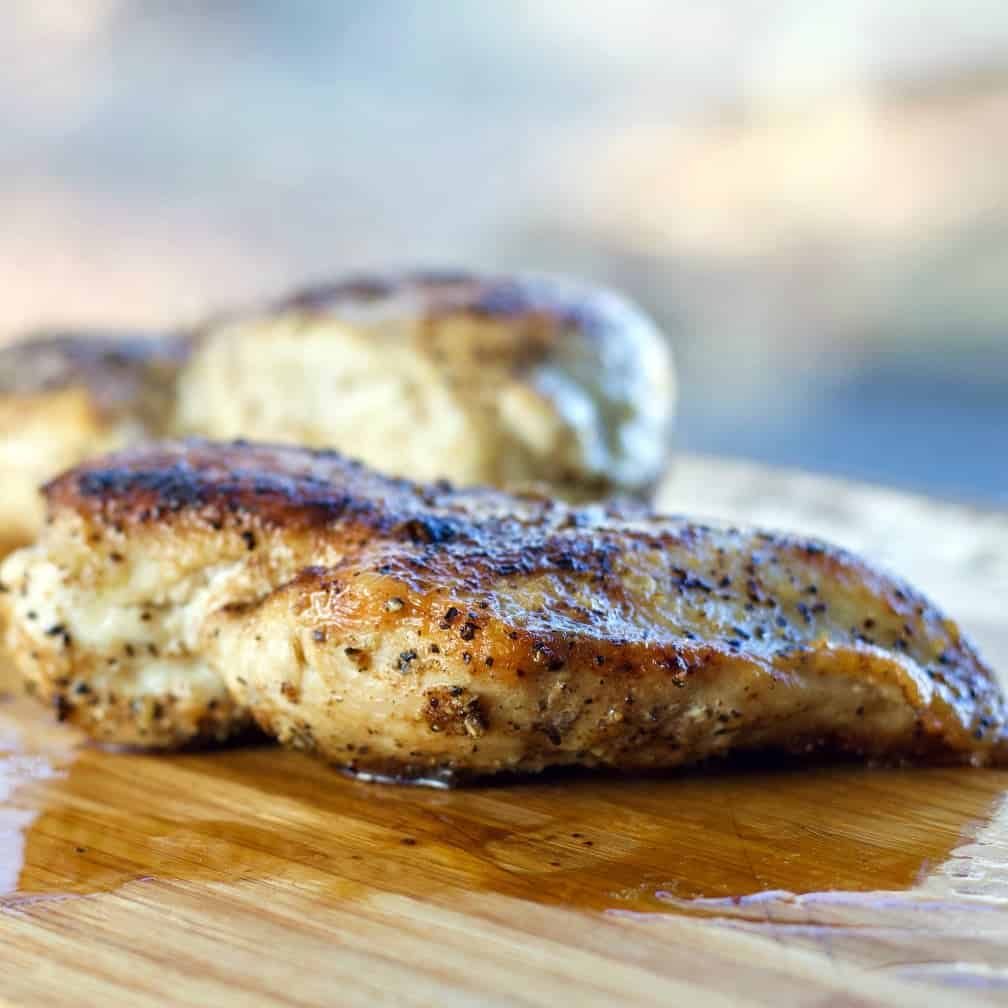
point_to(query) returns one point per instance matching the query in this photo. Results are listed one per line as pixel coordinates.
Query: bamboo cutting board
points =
(253, 876)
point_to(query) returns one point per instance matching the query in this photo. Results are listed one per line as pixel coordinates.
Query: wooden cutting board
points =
(258, 877)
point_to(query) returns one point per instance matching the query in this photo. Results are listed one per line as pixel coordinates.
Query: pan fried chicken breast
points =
(505, 381)
(421, 632)
(107, 610)
(65, 397)
(601, 639)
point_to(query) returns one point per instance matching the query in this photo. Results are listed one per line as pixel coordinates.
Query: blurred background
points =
(811, 198)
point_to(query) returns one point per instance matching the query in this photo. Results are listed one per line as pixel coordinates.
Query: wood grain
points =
(257, 877)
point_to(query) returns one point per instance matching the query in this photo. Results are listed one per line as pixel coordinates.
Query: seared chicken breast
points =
(415, 631)
(107, 610)
(505, 381)
(66, 397)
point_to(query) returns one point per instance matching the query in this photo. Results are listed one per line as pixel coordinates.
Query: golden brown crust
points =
(422, 631)
(205, 484)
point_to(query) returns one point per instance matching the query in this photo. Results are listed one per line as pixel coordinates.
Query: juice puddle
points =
(77, 820)
(951, 928)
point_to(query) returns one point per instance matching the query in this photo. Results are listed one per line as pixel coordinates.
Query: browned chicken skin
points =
(423, 632)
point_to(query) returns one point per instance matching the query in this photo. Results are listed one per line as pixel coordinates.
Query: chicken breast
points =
(420, 632)
(106, 612)
(504, 381)
(66, 397)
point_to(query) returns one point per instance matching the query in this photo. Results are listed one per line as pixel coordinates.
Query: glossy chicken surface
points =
(421, 632)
